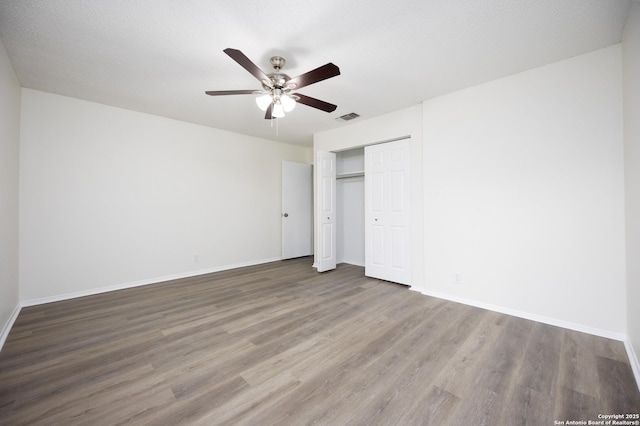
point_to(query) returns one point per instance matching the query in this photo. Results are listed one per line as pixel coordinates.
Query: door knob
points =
(286, 215)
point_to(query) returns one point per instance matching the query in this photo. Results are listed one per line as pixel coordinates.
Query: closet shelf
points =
(349, 175)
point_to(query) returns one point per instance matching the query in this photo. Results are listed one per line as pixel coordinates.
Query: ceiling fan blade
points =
(267, 115)
(315, 103)
(229, 92)
(246, 63)
(321, 73)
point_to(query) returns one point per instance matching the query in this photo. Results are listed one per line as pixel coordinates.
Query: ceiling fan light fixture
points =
(264, 101)
(278, 110)
(287, 103)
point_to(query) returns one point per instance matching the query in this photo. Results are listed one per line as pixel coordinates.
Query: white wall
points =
(406, 122)
(350, 161)
(631, 62)
(524, 193)
(9, 151)
(113, 197)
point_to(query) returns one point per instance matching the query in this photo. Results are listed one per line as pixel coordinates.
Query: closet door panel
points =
(387, 216)
(377, 252)
(326, 219)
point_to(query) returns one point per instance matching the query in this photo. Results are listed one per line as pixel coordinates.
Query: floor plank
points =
(282, 344)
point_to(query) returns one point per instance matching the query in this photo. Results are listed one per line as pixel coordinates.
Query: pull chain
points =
(277, 125)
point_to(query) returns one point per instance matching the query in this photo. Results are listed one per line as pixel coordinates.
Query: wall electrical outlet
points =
(457, 278)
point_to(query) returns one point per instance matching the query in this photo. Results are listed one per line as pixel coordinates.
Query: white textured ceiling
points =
(159, 56)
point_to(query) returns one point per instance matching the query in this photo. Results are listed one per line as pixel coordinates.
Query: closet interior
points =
(350, 230)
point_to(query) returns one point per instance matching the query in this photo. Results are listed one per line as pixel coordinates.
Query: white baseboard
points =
(527, 315)
(98, 290)
(9, 324)
(633, 360)
(353, 262)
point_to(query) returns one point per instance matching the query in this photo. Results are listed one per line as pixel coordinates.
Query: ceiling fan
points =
(278, 94)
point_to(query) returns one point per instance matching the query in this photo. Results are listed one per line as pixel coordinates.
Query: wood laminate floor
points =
(281, 344)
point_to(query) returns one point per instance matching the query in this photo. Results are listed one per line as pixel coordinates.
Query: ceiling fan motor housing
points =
(278, 80)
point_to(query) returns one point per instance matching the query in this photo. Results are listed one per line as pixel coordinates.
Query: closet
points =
(363, 208)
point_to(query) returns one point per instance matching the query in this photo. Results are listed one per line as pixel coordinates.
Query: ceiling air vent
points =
(348, 117)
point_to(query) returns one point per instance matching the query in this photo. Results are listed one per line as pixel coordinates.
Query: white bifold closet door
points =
(326, 210)
(387, 214)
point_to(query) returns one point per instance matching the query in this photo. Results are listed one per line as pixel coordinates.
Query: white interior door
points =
(326, 220)
(387, 218)
(297, 210)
